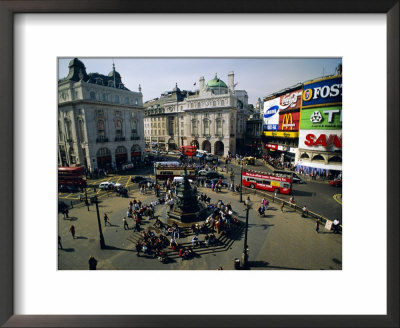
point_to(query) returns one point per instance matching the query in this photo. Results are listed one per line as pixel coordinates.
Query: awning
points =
(320, 165)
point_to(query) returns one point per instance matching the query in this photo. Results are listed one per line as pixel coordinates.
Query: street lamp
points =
(241, 182)
(245, 254)
(86, 200)
(102, 242)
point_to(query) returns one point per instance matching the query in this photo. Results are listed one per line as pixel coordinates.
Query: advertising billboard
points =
(323, 92)
(271, 115)
(290, 100)
(321, 118)
(329, 140)
(289, 121)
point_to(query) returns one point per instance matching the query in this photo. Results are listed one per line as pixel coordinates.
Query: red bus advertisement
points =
(188, 150)
(71, 176)
(165, 170)
(267, 181)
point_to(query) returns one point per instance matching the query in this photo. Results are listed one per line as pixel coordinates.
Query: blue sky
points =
(259, 76)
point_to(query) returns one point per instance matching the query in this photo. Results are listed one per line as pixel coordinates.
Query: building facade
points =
(303, 125)
(100, 121)
(211, 118)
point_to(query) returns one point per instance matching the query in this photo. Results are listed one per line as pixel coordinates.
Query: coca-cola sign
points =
(291, 100)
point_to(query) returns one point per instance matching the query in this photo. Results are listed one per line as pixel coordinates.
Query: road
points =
(319, 197)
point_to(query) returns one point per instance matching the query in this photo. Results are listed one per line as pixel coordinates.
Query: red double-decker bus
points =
(71, 176)
(267, 181)
(188, 150)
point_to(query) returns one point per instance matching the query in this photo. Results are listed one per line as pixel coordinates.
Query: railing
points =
(101, 139)
(299, 209)
(119, 138)
(135, 138)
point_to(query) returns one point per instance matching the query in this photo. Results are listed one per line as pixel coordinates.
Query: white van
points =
(179, 180)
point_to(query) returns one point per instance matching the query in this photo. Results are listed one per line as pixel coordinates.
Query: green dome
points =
(216, 83)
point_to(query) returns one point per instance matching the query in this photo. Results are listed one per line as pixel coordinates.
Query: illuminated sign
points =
(289, 121)
(291, 100)
(322, 92)
(271, 115)
(321, 140)
(282, 134)
(322, 118)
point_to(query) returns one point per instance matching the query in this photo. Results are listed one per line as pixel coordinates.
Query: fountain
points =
(186, 206)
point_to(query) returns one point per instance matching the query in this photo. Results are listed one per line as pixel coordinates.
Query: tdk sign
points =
(271, 111)
(323, 92)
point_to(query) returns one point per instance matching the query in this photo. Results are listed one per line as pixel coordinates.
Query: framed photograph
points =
(38, 39)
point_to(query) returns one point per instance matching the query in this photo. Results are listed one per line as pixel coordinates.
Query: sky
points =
(258, 76)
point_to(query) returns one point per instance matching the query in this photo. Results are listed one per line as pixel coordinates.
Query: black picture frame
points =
(10, 7)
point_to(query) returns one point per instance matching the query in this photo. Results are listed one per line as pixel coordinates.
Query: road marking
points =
(336, 197)
(129, 179)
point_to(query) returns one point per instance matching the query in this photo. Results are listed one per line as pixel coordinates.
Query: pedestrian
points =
(92, 263)
(72, 231)
(275, 194)
(336, 226)
(317, 226)
(126, 226)
(106, 220)
(66, 212)
(59, 242)
(282, 206)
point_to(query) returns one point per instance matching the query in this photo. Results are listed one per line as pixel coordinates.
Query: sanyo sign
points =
(324, 91)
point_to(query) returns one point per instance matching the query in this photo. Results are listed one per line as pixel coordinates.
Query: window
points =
(68, 130)
(194, 127)
(198, 105)
(218, 130)
(206, 127)
(81, 130)
(60, 135)
(118, 128)
(214, 103)
(92, 95)
(104, 97)
(110, 83)
(136, 102)
(116, 99)
(134, 127)
(100, 128)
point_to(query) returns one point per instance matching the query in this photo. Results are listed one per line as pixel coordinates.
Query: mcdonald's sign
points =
(289, 121)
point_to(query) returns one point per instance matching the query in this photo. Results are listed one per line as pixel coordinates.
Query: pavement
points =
(280, 240)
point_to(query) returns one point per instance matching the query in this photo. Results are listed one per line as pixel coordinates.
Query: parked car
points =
(336, 183)
(214, 175)
(137, 179)
(106, 185)
(202, 173)
(66, 188)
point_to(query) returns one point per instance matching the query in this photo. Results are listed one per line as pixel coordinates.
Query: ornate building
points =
(212, 118)
(100, 121)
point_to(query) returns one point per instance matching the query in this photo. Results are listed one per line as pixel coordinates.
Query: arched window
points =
(198, 105)
(318, 158)
(305, 156)
(335, 159)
